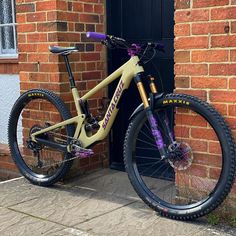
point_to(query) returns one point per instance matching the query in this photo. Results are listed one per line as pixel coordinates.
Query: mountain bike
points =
(178, 151)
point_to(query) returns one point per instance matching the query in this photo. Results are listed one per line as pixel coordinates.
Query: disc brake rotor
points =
(181, 156)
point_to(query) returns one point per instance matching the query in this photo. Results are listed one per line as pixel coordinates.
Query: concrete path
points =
(102, 203)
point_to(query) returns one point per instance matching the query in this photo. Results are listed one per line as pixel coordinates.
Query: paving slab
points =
(101, 203)
(15, 223)
(107, 181)
(71, 206)
(139, 220)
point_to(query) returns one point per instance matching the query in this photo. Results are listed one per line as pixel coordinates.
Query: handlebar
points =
(133, 49)
(96, 36)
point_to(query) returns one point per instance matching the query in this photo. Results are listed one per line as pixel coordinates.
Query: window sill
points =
(9, 60)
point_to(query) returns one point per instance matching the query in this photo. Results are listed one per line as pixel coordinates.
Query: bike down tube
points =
(127, 73)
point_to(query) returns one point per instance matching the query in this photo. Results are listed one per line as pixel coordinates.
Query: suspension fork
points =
(151, 119)
(166, 124)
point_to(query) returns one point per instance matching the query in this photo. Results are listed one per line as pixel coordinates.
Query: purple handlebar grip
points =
(96, 36)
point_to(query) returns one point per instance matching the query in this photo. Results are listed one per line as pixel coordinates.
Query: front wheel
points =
(199, 171)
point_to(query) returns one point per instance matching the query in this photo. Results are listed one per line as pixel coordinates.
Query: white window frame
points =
(13, 54)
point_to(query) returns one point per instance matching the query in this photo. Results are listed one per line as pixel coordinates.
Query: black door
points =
(139, 21)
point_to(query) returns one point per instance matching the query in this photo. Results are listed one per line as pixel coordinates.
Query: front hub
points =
(181, 156)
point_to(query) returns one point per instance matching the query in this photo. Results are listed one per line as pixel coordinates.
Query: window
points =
(8, 47)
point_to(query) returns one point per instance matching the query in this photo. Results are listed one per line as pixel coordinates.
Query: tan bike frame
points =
(127, 72)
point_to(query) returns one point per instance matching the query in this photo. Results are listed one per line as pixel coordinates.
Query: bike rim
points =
(34, 114)
(166, 183)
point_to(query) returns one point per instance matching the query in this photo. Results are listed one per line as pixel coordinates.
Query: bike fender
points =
(141, 107)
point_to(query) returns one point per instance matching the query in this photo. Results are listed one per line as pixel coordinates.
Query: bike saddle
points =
(63, 50)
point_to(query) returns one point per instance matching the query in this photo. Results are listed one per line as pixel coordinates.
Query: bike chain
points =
(67, 160)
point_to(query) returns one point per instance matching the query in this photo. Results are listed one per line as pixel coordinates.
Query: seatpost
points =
(68, 67)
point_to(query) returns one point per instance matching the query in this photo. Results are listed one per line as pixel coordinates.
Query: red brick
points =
(232, 55)
(215, 148)
(210, 28)
(47, 67)
(8, 166)
(223, 41)
(99, 9)
(52, 16)
(209, 82)
(36, 17)
(192, 16)
(182, 4)
(198, 170)
(88, 8)
(91, 75)
(38, 57)
(42, 48)
(191, 69)
(232, 83)
(62, 5)
(233, 27)
(20, 18)
(24, 28)
(210, 56)
(191, 42)
(89, 18)
(29, 67)
(36, 37)
(182, 30)
(100, 28)
(90, 56)
(46, 5)
(222, 69)
(209, 3)
(203, 134)
(190, 120)
(223, 13)
(232, 110)
(182, 82)
(231, 121)
(182, 56)
(46, 26)
(214, 173)
(68, 16)
(27, 48)
(222, 108)
(23, 8)
(202, 94)
(218, 96)
(78, 7)
(208, 159)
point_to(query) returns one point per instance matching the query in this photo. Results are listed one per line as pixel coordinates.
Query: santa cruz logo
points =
(113, 104)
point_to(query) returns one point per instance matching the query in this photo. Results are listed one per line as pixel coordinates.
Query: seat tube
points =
(151, 119)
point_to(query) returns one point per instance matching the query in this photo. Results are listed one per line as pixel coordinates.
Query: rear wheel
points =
(34, 110)
(199, 171)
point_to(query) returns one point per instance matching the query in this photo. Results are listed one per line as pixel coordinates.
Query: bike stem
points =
(151, 119)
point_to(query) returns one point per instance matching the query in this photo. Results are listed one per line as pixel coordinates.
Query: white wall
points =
(9, 92)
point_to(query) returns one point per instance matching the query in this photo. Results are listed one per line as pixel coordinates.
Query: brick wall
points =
(64, 23)
(205, 56)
